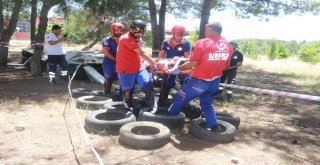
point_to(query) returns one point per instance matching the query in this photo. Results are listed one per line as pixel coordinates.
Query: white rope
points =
(84, 133)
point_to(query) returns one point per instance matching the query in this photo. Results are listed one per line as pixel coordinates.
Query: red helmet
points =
(178, 30)
(116, 26)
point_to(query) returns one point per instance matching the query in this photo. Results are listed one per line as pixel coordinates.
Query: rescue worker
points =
(109, 47)
(55, 54)
(176, 46)
(209, 57)
(128, 63)
(230, 72)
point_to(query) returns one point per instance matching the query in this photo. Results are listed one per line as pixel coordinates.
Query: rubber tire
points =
(113, 96)
(115, 119)
(172, 122)
(192, 110)
(197, 130)
(230, 118)
(118, 105)
(92, 102)
(78, 92)
(160, 135)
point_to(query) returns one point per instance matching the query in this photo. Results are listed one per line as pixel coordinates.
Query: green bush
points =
(310, 52)
(276, 49)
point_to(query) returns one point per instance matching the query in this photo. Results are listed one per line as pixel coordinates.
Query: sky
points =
(299, 28)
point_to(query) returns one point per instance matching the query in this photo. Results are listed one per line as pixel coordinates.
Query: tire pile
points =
(139, 128)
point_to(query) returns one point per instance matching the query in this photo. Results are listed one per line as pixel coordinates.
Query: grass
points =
(293, 70)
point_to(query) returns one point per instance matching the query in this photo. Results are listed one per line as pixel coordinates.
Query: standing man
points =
(128, 63)
(172, 47)
(109, 47)
(230, 72)
(209, 57)
(55, 54)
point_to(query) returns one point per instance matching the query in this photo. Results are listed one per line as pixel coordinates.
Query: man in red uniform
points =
(209, 57)
(128, 63)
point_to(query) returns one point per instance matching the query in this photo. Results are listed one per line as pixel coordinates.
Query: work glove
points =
(174, 71)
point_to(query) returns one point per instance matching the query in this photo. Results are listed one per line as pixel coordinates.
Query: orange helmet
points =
(178, 30)
(116, 26)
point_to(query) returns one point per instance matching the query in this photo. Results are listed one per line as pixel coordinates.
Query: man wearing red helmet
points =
(128, 63)
(109, 47)
(209, 57)
(173, 47)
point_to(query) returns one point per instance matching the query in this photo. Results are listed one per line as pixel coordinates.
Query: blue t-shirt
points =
(112, 44)
(178, 50)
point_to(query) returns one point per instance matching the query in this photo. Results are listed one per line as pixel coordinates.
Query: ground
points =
(38, 125)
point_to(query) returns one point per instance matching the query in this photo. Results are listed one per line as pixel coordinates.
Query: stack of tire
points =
(151, 130)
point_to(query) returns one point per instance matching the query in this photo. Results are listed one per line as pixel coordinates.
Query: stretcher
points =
(165, 64)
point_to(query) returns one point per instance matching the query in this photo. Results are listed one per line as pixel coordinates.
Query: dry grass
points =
(297, 72)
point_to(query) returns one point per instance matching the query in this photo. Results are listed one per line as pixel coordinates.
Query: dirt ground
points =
(38, 125)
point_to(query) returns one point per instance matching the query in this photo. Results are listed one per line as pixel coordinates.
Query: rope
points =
(84, 133)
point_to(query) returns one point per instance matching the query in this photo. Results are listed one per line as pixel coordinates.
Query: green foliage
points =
(310, 52)
(273, 49)
(249, 48)
(147, 38)
(194, 36)
(276, 49)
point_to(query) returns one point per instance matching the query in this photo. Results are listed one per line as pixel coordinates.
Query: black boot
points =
(128, 100)
(152, 101)
(164, 93)
(229, 96)
(107, 86)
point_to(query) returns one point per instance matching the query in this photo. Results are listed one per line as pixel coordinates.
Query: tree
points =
(157, 28)
(104, 12)
(7, 26)
(258, 8)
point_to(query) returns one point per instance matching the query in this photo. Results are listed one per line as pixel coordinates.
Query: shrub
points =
(310, 52)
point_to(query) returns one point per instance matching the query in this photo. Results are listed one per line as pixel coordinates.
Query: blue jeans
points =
(109, 70)
(127, 81)
(192, 89)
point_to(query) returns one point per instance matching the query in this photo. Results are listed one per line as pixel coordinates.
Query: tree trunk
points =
(98, 37)
(205, 14)
(162, 20)
(3, 55)
(1, 19)
(154, 28)
(35, 61)
(7, 33)
(33, 19)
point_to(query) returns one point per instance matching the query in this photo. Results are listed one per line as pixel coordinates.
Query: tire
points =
(230, 118)
(198, 130)
(192, 110)
(92, 102)
(107, 120)
(118, 105)
(144, 134)
(113, 96)
(78, 92)
(172, 122)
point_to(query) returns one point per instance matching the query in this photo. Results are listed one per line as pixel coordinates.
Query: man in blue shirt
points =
(109, 47)
(172, 47)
